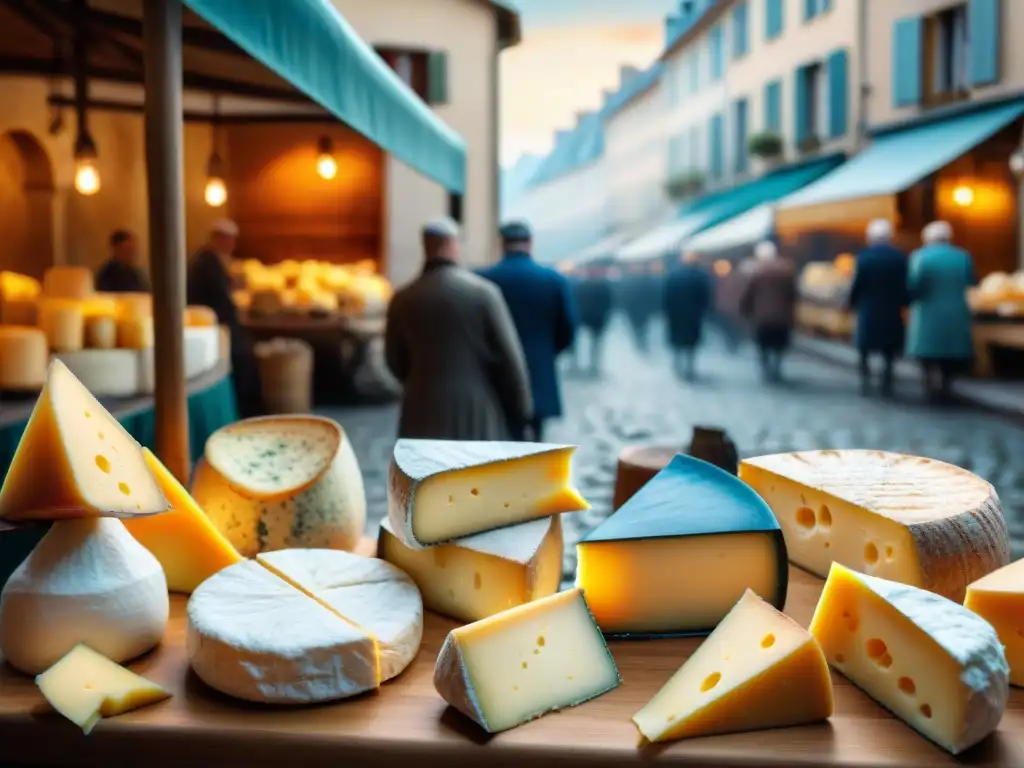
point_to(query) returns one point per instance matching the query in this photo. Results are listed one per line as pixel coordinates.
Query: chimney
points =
(627, 73)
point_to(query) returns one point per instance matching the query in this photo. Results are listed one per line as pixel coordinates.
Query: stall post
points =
(165, 188)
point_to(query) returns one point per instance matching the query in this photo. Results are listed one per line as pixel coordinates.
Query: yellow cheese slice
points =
(999, 599)
(758, 669)
(187, 544)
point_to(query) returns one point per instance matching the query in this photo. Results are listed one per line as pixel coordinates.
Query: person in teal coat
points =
(940, 319)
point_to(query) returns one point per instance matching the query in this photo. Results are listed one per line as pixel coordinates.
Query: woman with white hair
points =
(940, 319)
(769, 305)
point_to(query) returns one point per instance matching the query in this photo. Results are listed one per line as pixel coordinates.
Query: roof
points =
(510, 31)
(633, 89)
(701, 20)
(581, 146)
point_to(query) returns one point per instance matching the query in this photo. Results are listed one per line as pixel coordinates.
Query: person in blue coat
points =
(940, 334)
(878, 296)
(540, 301)
(688, 292)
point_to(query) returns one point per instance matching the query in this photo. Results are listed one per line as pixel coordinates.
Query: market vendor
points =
(121, 273)
(209, 284)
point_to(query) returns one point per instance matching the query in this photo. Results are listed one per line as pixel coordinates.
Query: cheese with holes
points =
(645, 569)
(522, 663)
(440, 490)
(93, 466)
(68, 282)
(100, 332)
(104, 372)
(759, 669)
(63, 322)
(187, 544)
(135, 332)
(931, 662)
(283, 482)
(999, 599)
(370, 594)
(86, 686)
(87, 581)
(24, 355)
(472, 578)
(914, 520)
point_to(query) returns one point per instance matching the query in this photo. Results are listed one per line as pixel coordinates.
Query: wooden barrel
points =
(638, 464)
(286, 375)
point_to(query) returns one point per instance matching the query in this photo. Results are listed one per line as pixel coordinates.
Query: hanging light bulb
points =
(87, 175)
(326, 165)
(216, 192)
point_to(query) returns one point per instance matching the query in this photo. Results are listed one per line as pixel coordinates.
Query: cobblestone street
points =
(638, 399)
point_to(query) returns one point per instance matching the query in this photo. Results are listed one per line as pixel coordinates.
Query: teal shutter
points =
(810, 9)
(740, 25)
(716, 149)
(773, 18)
(716, 65)
(437, 77)
(801, 105)
(838, 93)
(773, 107)
(740, 110)
(983, 19)
(906, 62)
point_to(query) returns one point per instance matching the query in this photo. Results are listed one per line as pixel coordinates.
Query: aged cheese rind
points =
(472, 578)
(525, 662)
(999, 599)
(87, 581)
(441, 490)
(759, 669)
(931, 662)
(645, 569)
(904, 518)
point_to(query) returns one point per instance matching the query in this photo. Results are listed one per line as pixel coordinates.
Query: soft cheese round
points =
(87, 581)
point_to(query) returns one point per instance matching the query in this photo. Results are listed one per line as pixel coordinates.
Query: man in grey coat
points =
(451, 342)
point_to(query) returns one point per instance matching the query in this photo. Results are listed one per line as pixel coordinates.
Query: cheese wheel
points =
(63, 322)
(200, 317)
(24, 358)
(68, 282)
(15, 286)
(130, 305)
(101, 332)
(135, 332)
(19, 312)
(99, 306)
(105, 372)
(638, 464)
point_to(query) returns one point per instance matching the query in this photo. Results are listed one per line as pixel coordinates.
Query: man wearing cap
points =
(121, 273)
(540, 300)
(451, 343)
(209, 284)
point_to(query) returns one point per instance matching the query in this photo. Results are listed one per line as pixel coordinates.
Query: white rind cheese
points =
(105, 372)
(87, 581)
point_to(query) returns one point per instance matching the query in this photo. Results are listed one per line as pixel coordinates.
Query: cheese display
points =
(105, 372)
(284, 482)
(100, 305)
(439, 490)
(68, 282)
(352, 624)
(133, 305)
(999, 599)
(202, 350)
(200, 317)
(135, 332)
(63, 322)
(759, 669)
(928, 660)
(86, 686)
(904, 518)
(472, 578)
(18, 294)
(189, 547)
(94, 467)
(645, 569)
(293, 286)
(87, 581)
(100, 332)
(522, 663)
(24, 358)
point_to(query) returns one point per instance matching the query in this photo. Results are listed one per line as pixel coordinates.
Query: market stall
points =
(824, 289)
(998, 307)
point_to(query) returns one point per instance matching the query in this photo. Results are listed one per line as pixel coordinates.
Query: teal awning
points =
(717, 207)
(743, 230)
(897, 160)
(310, 44)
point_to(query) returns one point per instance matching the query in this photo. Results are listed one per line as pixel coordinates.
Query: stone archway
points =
(26, 204)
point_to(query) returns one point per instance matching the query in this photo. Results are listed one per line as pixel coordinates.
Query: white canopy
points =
(745, 229)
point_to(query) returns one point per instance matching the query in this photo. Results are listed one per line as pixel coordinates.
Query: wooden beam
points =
(194, 116)
(165, 179)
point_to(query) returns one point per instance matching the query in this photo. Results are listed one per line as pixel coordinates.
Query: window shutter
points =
(810, 9)
(773, 107)
(773, 19)
(740, 31)
(717, 147)
(983, 18)
(740, 130)
(906, 62)
(801, 105)
(838, 93)
(437, 77)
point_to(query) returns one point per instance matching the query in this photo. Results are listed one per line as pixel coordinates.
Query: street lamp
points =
(326, 165)
(87, 175)
(963, 196)
(216, 192)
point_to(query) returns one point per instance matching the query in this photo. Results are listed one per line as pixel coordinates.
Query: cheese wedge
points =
(93, 466)
(908, 519)
(759, 669)
(931, 662)
(472, 578)
(440, 490)
(999, 599)
(187, 544)
(85, 686)
(525, 662)
(676, 557)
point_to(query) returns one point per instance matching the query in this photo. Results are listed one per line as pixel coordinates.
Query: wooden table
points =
(407, 724)
(990, 333)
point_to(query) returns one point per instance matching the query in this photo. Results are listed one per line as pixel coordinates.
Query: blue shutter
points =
(810, 9)
(715, 53)
(773, 107)
(716, 148)
(906, 62)
(740, 109)
(983, 19)
(773, 19)
(838, 93)
(740, 26)
(437, 77)
(801, 105)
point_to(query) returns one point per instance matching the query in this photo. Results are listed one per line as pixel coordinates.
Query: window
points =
(740, 128)
(696, 155)
(814, 8)
(949, 52)
(716, 54)
(774, 18)
(773, 107)
(425, 72)
(678, 154)
(814, 120)
(716, 147)
(740, 25)
(693, 59)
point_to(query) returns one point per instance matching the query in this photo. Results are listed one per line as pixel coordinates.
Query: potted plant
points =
(685, 184)
(766, 145)
(810, 143)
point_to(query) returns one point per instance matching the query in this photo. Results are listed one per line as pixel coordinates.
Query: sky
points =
(571, 51)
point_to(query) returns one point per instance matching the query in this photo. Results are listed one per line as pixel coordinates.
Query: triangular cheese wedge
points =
(440, 490)
(999, 599)
(645, 569)
(75, 460)
(758, 669)
(187, 544)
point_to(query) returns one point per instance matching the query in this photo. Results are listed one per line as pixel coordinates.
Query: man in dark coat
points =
(594, 301)
(451, 342)
(209, 285)
(121, 272)
(544, 313)
(687, 298)
(878, 296)
(769, 306)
